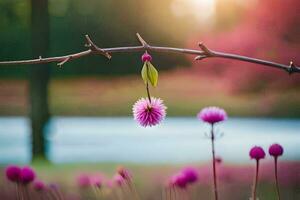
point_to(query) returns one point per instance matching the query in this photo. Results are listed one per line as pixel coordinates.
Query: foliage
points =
(109, 23)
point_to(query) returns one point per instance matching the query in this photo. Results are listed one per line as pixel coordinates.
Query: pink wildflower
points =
(13, 173)
(212, 115)
(149, 114)
(276, 150)
(257, 153)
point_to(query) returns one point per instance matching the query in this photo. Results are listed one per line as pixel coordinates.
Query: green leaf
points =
(144, 73)
(149, 73)
(152, 74)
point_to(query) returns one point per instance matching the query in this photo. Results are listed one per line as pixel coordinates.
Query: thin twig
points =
(95, 49)
(200, 54)
(64, 61)
(142, 41)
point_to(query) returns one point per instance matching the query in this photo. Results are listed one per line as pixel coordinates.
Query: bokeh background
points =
(267, 29)
(90, 99)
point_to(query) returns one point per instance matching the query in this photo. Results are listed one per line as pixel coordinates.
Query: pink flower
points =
(96, 181)
(38, 185)
(276, 150)
(149, 114)
(13, 173)
(27, 175)
(146, 57)
(191, 174)
(124, 173)
(257, 153)
(109, 183)
(118, 179)
(83, 180)
(172, 181)
(212, 115)
(180, 180)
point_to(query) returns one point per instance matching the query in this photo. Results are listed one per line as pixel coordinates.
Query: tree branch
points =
(200, 54)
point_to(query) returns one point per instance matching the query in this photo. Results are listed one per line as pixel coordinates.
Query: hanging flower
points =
(146, 57)
(148, 113)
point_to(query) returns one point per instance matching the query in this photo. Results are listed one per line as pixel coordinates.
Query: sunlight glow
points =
(201, 10)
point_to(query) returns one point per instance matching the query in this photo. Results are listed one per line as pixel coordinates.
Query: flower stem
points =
(26, 192)
(276, 178)
(255, 180)
(133, 189)
(147, 85)
(170, 194)
(148, 92)
(19, 197)
(97, 192)
(215, 188)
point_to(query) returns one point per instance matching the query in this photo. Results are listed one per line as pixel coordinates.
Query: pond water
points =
(176, 140)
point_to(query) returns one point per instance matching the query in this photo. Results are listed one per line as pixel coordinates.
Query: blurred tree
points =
(39, 77)
(109, 23)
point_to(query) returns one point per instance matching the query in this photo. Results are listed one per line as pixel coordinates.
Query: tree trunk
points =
(39, 78)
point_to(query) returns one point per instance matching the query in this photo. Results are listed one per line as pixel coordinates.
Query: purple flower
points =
(27, 175)
(276, 150)
(212, 115)
(180, 180)
(38, 185)
(83, 180)
(146, 57)
(149, 114)
(13, 173)
(257, 153)
(191, 174)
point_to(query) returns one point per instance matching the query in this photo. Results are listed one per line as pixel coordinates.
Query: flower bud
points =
(39, 185)
(13, 173)
(146, 57)
(276, 150)
(257, 153)
(27, 175)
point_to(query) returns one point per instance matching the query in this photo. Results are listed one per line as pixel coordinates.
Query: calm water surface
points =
(176, 140)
